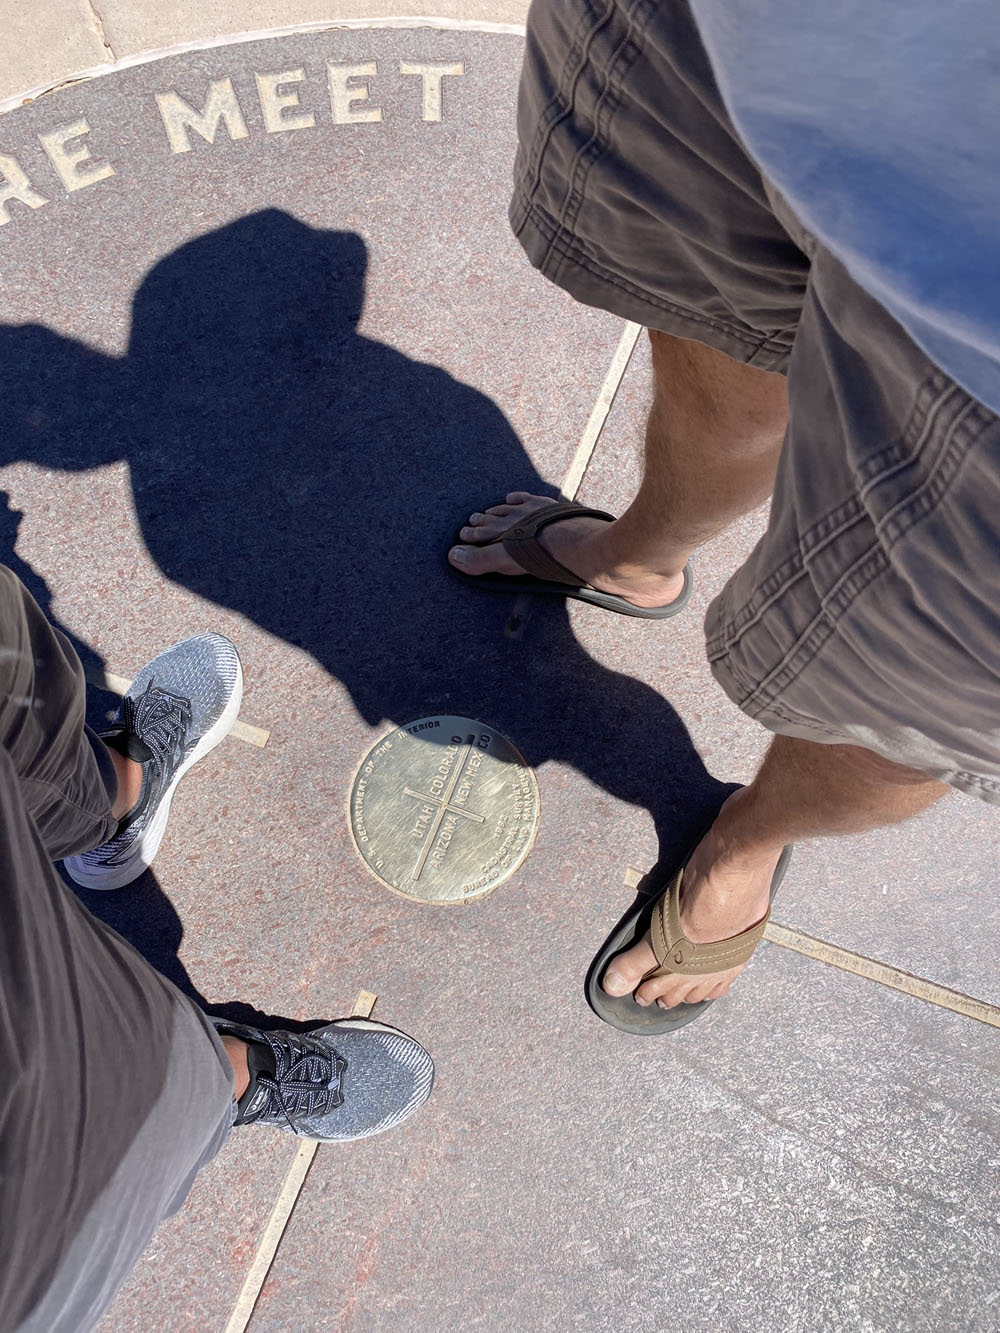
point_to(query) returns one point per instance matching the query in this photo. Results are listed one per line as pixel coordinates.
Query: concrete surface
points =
(53, 41)
(254, 387)
(43, 43)
(774, 1185)
(133, 28)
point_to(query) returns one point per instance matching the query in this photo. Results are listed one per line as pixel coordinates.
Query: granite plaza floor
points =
(252, 385)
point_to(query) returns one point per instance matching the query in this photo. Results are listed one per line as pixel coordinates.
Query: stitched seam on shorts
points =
(974, 780)
(801, 721)
(920, 503)
(822, 534)
(850, 585)
(575, 256)
(828, 529)
(608, 101)
(560, 108)
(971, 420)
(768, 591)
(755, 696)
(810, 642)
(945, 412)
(932, 399)
(919, 428)
(958, 777)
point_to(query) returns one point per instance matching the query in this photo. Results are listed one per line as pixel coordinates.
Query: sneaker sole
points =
(147, 847)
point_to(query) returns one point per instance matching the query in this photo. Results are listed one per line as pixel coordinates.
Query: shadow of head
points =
(266, 288)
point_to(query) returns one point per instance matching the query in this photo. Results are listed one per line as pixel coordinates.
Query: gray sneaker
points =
(179, 707)
(348, 1080)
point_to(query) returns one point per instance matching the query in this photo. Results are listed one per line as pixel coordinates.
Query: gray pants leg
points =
(115, 1089)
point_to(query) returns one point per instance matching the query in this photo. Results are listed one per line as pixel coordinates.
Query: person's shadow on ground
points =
(295, 471)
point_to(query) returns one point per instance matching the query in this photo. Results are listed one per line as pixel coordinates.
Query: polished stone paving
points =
(254, 387)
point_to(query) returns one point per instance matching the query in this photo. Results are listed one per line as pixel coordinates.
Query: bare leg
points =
(237, 1052)
(129, 783)
(803, 790)
(712, 443)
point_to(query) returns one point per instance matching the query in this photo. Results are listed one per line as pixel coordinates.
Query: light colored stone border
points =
(881, 973)
(274, 1231)
(16, 100)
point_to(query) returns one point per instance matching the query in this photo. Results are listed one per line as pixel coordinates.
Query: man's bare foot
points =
(723, 893)
(584, 545)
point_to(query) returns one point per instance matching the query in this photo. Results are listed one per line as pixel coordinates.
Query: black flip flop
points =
(545, 575)
(621, 1011)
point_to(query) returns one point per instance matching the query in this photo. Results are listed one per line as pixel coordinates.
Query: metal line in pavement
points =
(271, 1239)
(860, 966)
(584, 452)
(593, 428)
(882, 974)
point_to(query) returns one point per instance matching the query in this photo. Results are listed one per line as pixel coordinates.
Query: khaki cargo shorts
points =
(868, 613)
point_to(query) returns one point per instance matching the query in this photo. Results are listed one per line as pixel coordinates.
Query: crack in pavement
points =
(98, 22)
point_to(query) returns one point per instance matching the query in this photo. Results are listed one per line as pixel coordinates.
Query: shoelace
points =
(161, 720)
(307, 1084)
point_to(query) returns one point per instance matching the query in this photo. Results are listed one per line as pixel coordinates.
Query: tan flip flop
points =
(544, 574)
(675, 954)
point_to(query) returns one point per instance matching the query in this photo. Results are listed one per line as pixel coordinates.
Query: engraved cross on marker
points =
(444, 807)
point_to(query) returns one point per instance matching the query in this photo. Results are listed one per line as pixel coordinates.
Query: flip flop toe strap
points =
(521, 541)
(676, 954)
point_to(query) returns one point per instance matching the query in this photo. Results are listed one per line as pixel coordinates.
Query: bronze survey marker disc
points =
(444, 809)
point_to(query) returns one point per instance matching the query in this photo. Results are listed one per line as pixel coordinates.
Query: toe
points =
(696, 992)
(625, 971)
(480, 527)
(664, 991)
(472, 559)
(479, 551)
(486, 525)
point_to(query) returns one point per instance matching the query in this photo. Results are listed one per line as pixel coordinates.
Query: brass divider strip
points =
(584, 452)
(594, 426)
(287, 1198)
(881, 973)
